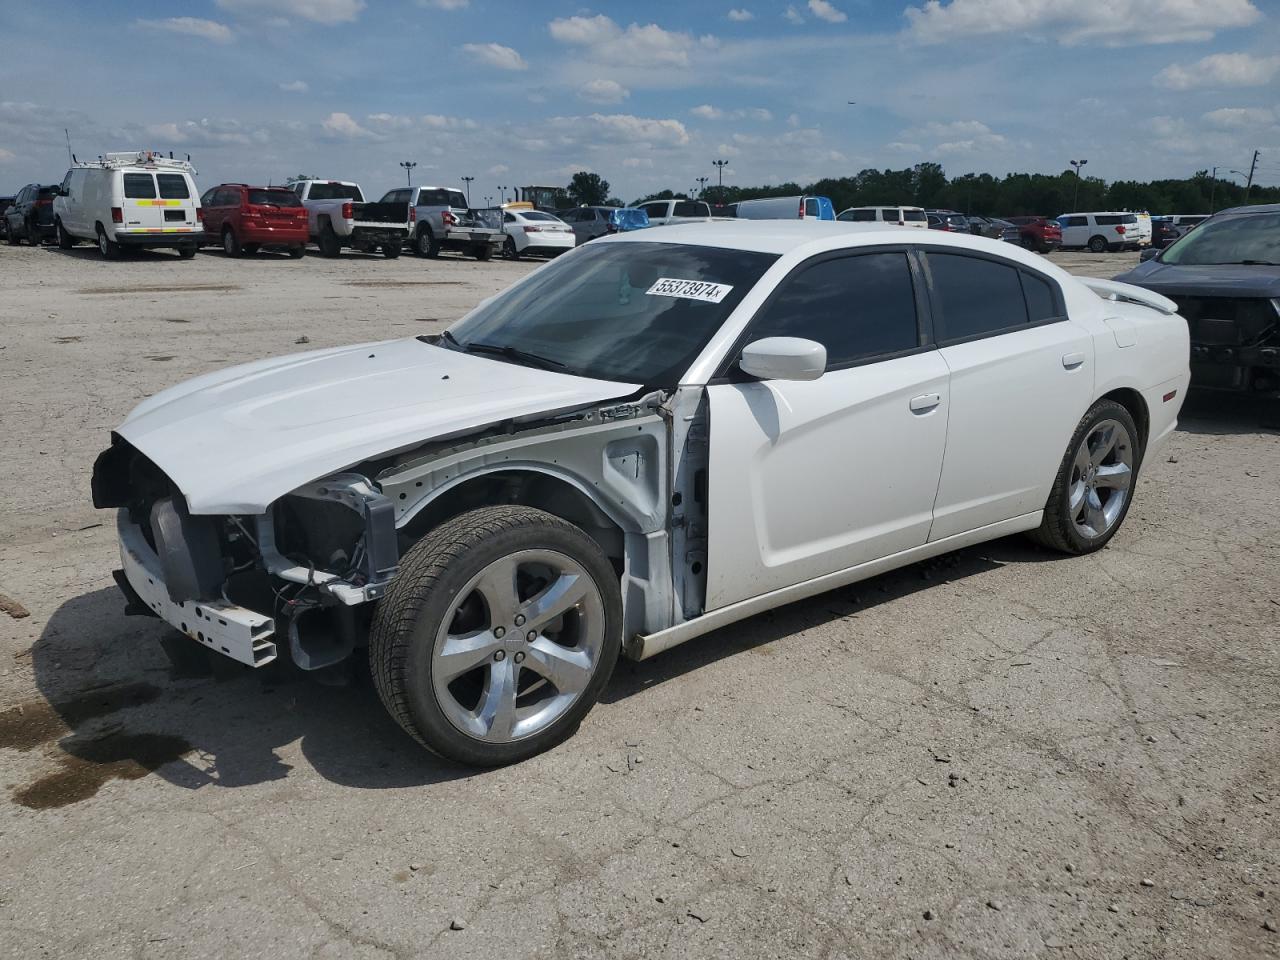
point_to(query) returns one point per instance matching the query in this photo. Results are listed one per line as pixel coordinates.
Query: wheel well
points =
(1132, 401)
(527, 488)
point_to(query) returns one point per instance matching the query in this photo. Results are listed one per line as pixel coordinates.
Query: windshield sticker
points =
(690, 290)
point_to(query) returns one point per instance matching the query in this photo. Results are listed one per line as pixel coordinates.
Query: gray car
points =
(1225, 278)
(591, 222)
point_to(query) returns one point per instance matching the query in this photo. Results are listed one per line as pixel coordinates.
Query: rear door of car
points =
(1021, 379)
(807, 478)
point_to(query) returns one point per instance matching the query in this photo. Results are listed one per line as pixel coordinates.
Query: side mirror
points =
(1148, 254)
(784, 358)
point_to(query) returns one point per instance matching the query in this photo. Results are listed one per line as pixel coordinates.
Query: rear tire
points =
(1098, 244)
(474, 584)
(109, 249)
(509, 249)
(251, 248)
(330, 245)
(425, 244)
(33, 234)
(1094, 487)
(9, 237)
(187, 251)
(65, 240)
(298, 252)
(391, 250)
(483, 252)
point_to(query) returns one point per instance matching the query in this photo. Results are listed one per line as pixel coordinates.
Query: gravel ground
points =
(1001, 753)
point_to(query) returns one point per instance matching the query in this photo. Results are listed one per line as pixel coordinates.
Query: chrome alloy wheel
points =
(1101, 478)
(518, 646)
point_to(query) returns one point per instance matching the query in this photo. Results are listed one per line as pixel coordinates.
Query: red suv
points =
(246, 219)
(1038, 233)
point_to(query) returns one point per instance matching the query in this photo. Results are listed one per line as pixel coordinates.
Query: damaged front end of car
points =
(305, 569)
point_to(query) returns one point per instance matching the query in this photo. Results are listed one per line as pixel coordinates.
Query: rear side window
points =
(860, 216)
(139, 186)
(690, 208)
(456, 199)
(1042, 305)
(274, 198)
(857, 307)
(1075, 221)
(913, 216)
(810, 207)
(1106, 221)
(1129, 218)
(974, 297)
(173, 186)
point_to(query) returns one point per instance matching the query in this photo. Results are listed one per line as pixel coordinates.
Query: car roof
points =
(1254, 208)
(786, 236)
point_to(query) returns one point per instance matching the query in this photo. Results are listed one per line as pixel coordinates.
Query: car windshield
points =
(274, 198)
(533, 216)
(631, 312)
(1241, 238)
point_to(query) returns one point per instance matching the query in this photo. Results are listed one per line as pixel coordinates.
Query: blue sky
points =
(647, 95)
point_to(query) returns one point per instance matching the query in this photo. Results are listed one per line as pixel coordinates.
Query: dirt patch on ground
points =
(124, 290)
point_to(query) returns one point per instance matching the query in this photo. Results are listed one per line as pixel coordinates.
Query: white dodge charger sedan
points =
(646, 439)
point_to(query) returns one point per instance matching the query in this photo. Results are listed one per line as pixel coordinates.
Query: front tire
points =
(298, 252)
(329, 244)
(509, 249)
(65, 241)
(1094, 487)
(498, 635)
(187, 251)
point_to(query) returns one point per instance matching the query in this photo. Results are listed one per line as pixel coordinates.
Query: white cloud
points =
(793, 120)
(638, 162)
(327, 12)
(740, 15)
(6, 155)
(342, 125)
(825, 11)
(1220, 70)
(445, 4)
(294, 86)
(192, 26)
(436, 121)
(603, 91)
(496, 55)
(792, 14)
(706, 111)
(955, 137)
(727, 150)
(1229, 118)
(753, 113)
(390, 121)
(647, 46)
(207, 133)
(1110, 22)
(597, 129)
(498, 169)
(903, 147)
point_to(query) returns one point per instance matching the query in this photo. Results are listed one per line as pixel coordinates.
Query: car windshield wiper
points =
(512, 353)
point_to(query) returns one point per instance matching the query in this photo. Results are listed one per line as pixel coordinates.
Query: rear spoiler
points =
(1129, 293)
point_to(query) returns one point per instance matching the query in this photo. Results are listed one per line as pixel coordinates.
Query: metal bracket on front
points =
(381, 551)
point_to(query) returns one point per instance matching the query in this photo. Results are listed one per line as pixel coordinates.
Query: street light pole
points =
(1075, 199)
(720, 165)
(502, 194)
(467, 181)
(702, 185)
(408, 170)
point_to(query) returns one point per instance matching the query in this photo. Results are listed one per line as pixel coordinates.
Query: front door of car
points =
(212, 221)
(1021, 379)
(808, 478)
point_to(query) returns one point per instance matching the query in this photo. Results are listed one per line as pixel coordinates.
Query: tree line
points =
(1014, 194)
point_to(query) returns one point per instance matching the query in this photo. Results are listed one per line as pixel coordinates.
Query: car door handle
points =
(1072, 360)
(925, 403)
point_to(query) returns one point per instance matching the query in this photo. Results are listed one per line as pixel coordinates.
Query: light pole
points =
(502, 194)
(408, 169)
(702, 185)
(720, 165)
(1075, 198)
(467, 181)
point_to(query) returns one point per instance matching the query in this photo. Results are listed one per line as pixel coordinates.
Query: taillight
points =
(1120, 229)
(46, 202)
(117, 215)
(413, 214)
(348, 209)
(801, 214)
(539, 229)
(200, 214)
(448, 219)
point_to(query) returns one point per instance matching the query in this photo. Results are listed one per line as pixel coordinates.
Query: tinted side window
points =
(139, 186)
(173, 186)
(689, 208)
(810, 207)
(1106, 221)
(862, 216)
(1077, 221)
(1041, 303)
(974, 296)
(856, 307)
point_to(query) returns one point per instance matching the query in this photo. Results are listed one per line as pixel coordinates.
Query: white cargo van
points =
(902, 216)
(123, 200)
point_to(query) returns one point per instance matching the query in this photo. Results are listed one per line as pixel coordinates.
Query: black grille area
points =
(1229, 321)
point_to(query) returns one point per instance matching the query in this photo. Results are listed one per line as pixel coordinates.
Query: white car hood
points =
(237, 439)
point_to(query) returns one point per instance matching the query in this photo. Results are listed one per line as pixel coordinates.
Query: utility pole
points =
(1075, 200)
(467, 181)
(720, 165)
(1249, 184)
(408, 170)
(502, 194)
(702, 184)
(1213, 187)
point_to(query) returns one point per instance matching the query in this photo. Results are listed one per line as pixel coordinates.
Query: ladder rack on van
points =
(137, 158)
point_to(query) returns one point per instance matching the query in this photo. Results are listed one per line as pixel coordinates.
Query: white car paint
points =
(662, 212)
(534, 231)
(237, 439)
(141, 211)
(810, 484)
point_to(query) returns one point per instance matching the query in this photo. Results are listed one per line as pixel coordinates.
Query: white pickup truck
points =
(675, 211)
(338, 217)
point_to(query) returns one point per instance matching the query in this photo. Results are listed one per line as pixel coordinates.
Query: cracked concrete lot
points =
(1001, 754)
